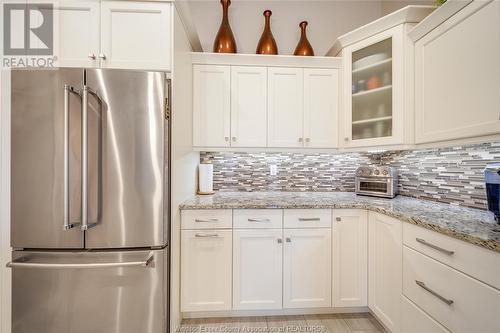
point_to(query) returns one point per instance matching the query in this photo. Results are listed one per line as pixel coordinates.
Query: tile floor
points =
(325, 323)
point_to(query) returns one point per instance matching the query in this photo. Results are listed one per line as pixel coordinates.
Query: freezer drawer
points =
(60, 292)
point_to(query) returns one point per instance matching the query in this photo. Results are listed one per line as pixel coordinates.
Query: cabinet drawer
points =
(207, 219)
(473, 260)
(257, 218)
(307, 218)
(414, 320)
(457, 301)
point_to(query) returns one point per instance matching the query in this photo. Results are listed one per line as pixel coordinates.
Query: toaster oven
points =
(377, 181)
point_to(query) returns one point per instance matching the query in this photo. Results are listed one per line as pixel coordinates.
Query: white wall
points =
(184, 160)
(327, 19)
(389, 6)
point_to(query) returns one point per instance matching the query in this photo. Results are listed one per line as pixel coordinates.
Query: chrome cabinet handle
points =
(102, 56)
(308, 139)
(234, 138)
(206, 235)
(92, 56)
(435, 247)
(346, 139)
(279, 240)
(259, 220)
(309, 219)
(207, 220)
(288, 240)
(144, 263)
(226, 138)
(338, 219)
(432, 292)
(300, 140)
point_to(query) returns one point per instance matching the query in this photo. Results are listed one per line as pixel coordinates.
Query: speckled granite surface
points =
(471, 225)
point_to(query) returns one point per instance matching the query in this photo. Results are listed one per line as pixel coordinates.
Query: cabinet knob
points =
(288, 240)
(338, 219)
(226, 138)
(300, 139)
(308, 139)
(92, 56)
(279, 240)
(102, 56)
(346, 139)
(234, 138)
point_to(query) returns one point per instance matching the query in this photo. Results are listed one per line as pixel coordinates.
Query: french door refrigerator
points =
(89, 201)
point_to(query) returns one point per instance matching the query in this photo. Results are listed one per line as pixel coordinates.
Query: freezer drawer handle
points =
(67, 91)
(206, 235)
(432, 292)
(435, 247)
(144, 263)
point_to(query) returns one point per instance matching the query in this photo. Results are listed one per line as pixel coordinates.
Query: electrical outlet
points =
(273, 169)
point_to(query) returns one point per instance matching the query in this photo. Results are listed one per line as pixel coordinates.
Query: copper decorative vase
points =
(224, 41)
(267, 44)
(303, 48)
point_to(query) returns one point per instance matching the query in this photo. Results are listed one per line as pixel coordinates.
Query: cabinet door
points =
(307, 267)
(415, 320)
(350, 257)
(206, 270)
(136, 35)
(211, 105)
(257, 263)
(248, 106)
(285, 107)
(373, 90)
(385, 269)
(321, 90)
(456, 92)
(79, 33)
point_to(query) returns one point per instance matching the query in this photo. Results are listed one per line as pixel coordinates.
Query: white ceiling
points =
(327, 19)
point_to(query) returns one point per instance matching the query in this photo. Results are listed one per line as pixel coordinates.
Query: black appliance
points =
(492, 179)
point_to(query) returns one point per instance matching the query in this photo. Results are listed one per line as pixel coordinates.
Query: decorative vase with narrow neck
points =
(224, 41)
(303, 48)
(267, 44)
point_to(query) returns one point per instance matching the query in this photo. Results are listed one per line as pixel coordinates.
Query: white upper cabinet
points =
(350, 257)
(211, 106)
(321, 102)
(307, 268)
(285, 105)
(114, 34)
(457, 88)
(248, 106)
(78, 33)
(373, 92)
(385, 269)
(136, 35)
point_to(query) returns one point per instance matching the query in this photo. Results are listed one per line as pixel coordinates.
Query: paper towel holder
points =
(200, 192)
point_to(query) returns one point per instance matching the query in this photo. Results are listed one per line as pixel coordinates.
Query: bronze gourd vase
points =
(224, 41)
(267, 44)
(303, 48)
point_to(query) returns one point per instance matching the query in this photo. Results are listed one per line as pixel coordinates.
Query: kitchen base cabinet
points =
(384, 268)
(350, 257)
(257, 269)
(414, 320)
(206, 270)
(307, 268)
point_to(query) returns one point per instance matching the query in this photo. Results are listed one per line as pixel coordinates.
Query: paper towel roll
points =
(206, 177)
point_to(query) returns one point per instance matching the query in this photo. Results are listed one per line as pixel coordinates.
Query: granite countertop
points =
(471, 225)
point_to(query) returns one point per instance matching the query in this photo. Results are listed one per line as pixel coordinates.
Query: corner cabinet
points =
(114, 34)
(376, 90)
(247, 101)
(457, 88)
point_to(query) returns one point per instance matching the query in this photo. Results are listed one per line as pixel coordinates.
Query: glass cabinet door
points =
(371, 97)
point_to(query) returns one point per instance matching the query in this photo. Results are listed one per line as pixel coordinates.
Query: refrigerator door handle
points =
(144, 263)
(85, 155)
(66, 219)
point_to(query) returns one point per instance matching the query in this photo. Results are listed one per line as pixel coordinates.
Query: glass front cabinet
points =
(377, 90)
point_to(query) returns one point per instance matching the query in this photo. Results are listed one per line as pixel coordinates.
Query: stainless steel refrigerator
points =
(89, 201)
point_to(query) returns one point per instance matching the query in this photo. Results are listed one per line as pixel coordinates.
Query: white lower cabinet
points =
(350, 257)
(307, 268)
(206, 270)
(257, 269)
(384, 269)
(414, 320)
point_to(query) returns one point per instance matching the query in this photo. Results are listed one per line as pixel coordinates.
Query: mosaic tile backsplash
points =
(452, 175)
